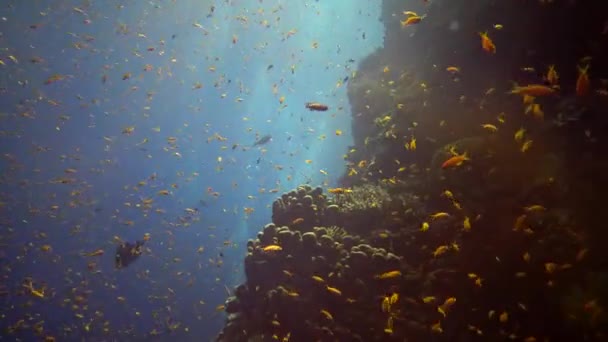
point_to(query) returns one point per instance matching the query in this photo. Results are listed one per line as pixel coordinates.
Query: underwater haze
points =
(272, 170)
(124, 121)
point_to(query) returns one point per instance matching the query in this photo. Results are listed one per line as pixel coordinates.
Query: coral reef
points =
(333, 276)
(302, 207)
(508, 245)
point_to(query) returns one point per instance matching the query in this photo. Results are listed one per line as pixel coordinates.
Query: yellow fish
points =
(386, 304)
(394, 298)
(490, 127)
(428, 299)
(526, 146)
(318, 279)
(519, 135)
(466, 224)
(440, 250)
(439, 215)
(389, 275)
(334, 290)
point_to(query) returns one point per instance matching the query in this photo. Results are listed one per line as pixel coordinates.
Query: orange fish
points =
(95, 253)
(552, 76)
(456, 160)
(582, 82)
(533, 90)
(54, 78)
(486, 43)
(297, 221)
(272, 248)
(414, 19)
(452, 69)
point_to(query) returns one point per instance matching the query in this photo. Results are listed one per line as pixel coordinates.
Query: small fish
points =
(54, 78)
(466, 224)
(552, 76)
(550, 267)
(34, 292)
(526, 145)
(439, 215)
(297, 221)
(453, 69)
(519, 135)
(411, 145)
(501, 118)
(534, 208)
(486, 43)
(448, 194)
(389, 275)
(97, 252)
(582, 82)
(440, 250)
(503, 317)
(318, 279)
(389, 325)
(454, 161)
(490, 127)
(316, 106)
(411, 20)
(533, 90)
(449, 302)
(263, 140)
(128, 130)
(428, 299)
(394, 298)
(339, 191)
(333, 290)
(272, 248)
(327, 315)
(386, 304)
(436, 328)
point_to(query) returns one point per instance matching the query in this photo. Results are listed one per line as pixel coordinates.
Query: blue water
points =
(77, 122)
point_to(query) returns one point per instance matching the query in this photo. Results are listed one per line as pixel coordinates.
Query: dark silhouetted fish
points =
(263, 140)
(127, 252)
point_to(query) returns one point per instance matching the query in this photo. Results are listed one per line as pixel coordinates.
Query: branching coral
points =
(336, 233)
(362, 198)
